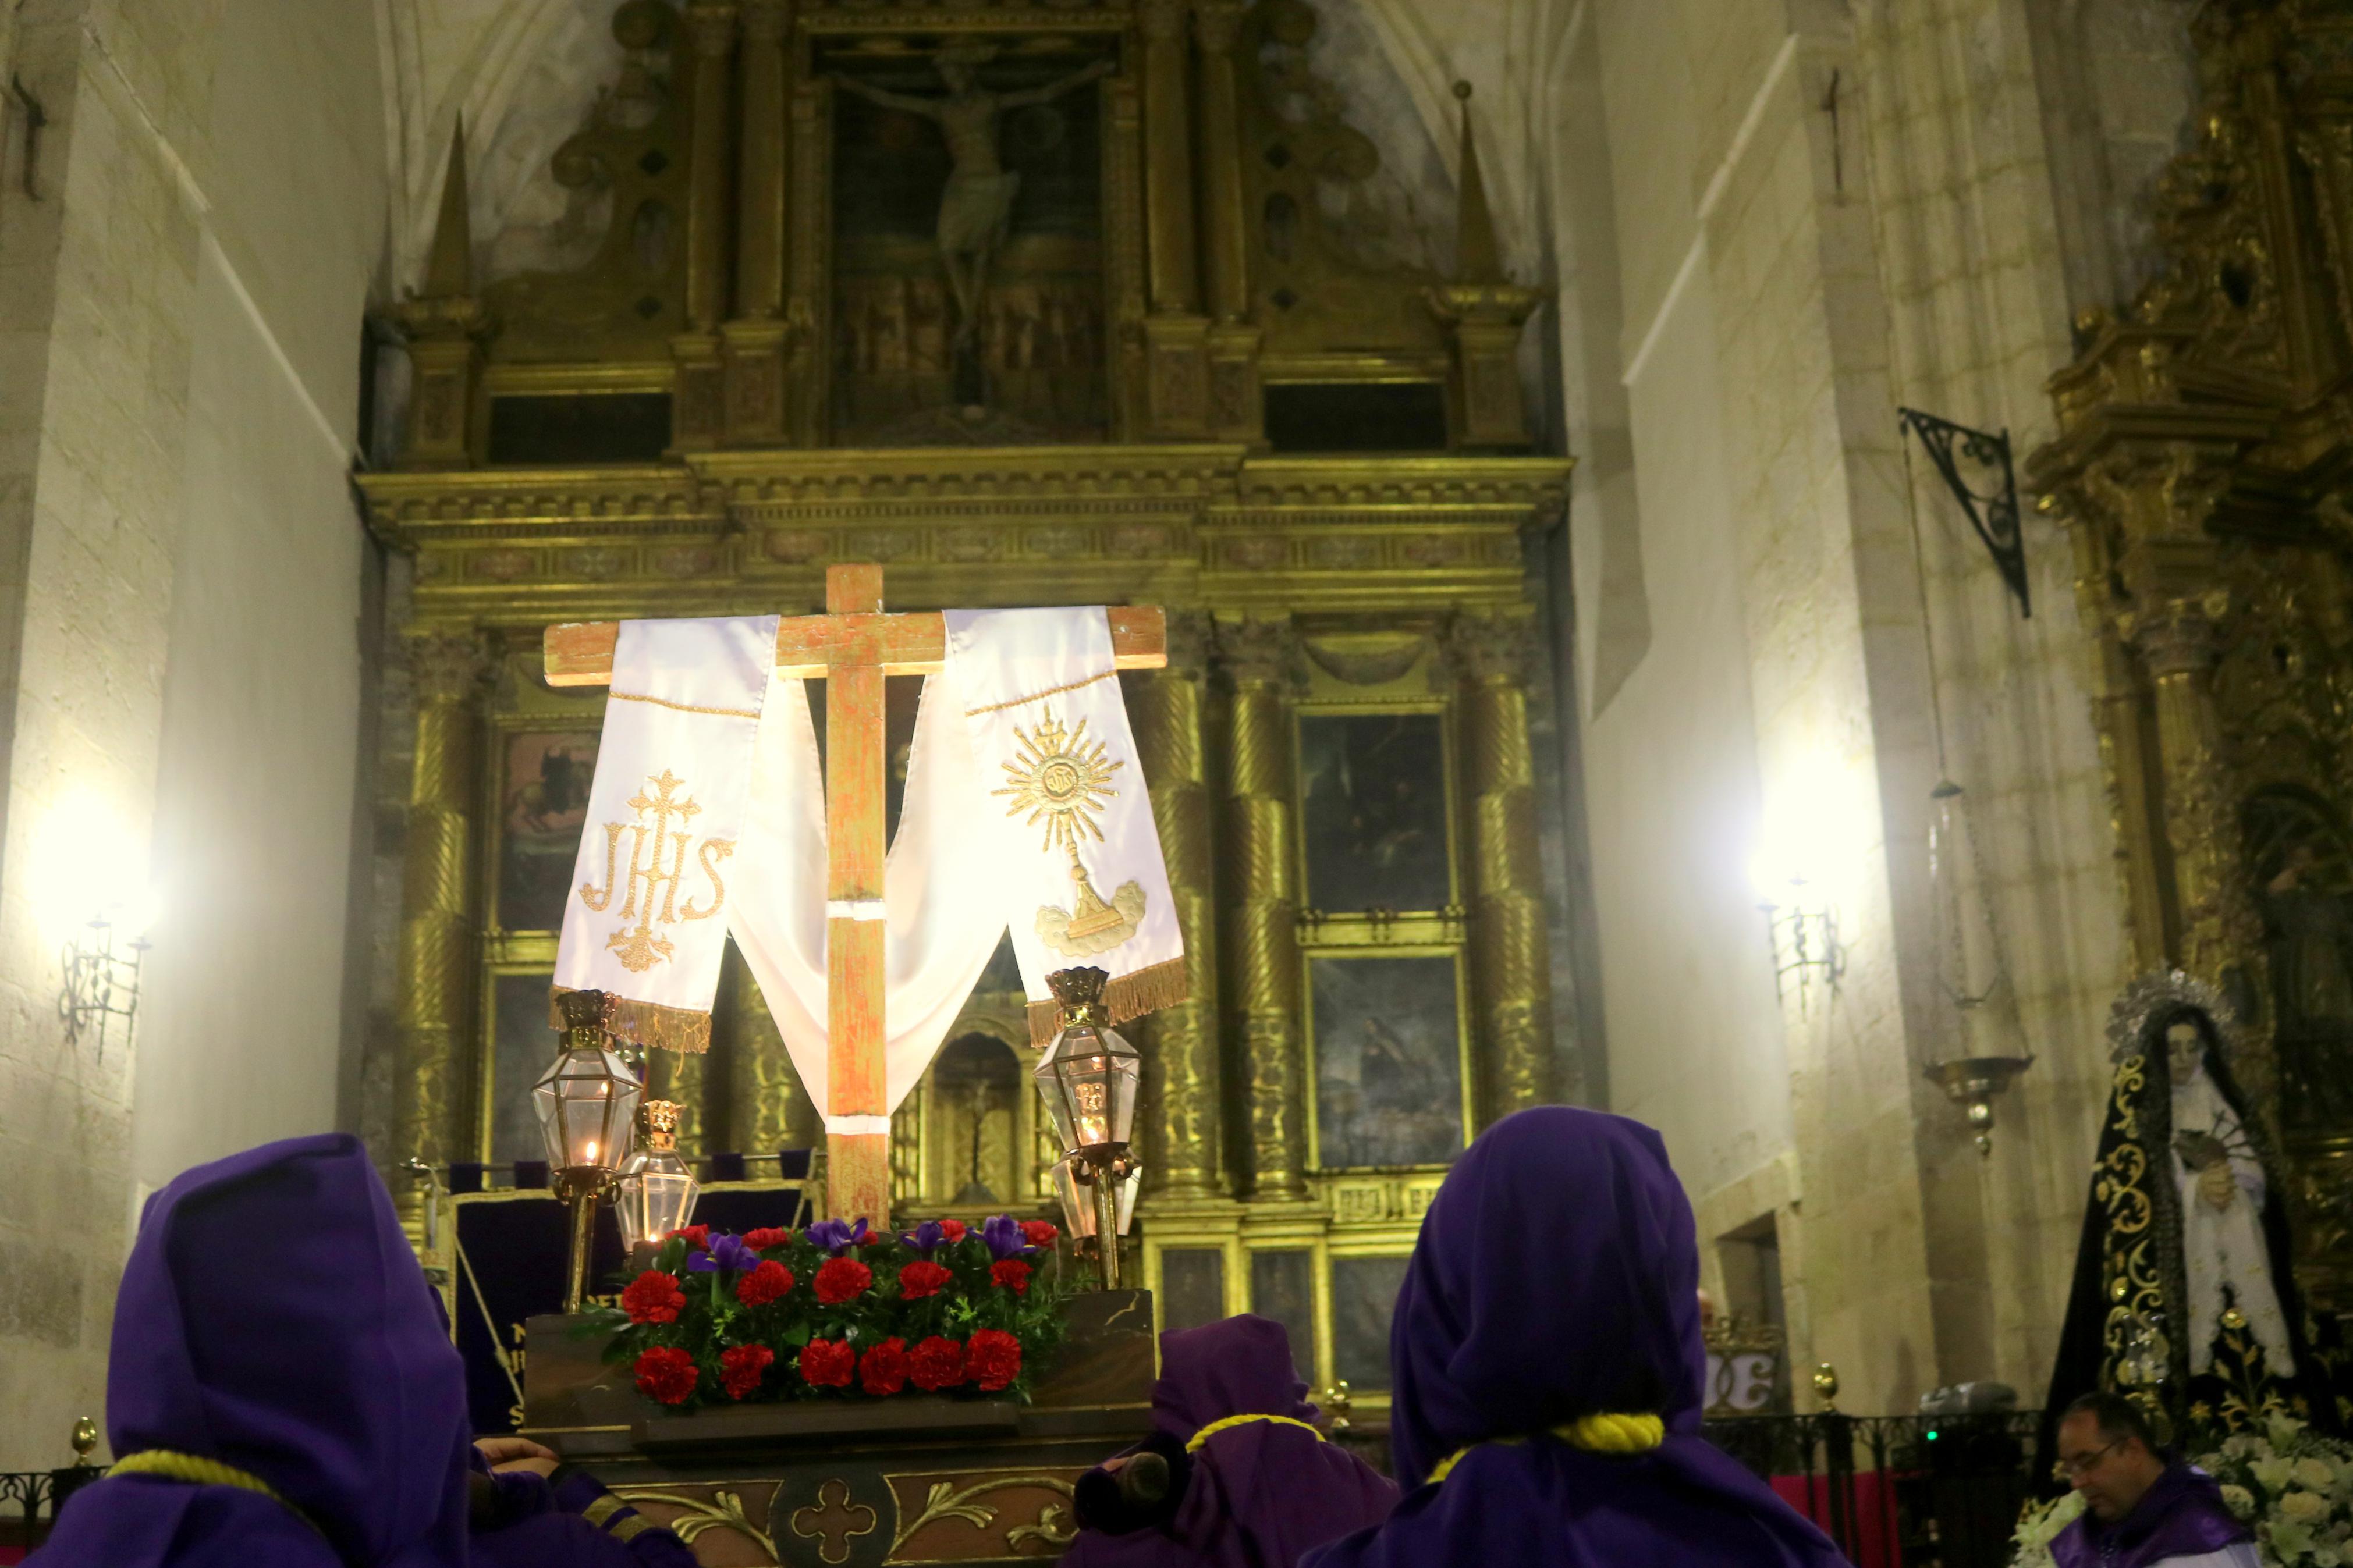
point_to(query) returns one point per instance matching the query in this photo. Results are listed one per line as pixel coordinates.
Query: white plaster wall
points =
(179, 563)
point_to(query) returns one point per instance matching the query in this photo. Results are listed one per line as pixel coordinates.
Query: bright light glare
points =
(1818, 820)
(86, 867)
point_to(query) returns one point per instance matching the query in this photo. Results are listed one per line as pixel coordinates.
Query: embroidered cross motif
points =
(833, 1520)
(652, 882)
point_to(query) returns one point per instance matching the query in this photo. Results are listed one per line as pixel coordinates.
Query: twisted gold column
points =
(678, 1077)
(712, 27)
(437, 919)
(757, 338)
(1180, 1066)
(767, 1108)
(1263, 945)
(1511, 971)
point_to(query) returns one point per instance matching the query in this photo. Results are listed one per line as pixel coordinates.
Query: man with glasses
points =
(2142, 1506)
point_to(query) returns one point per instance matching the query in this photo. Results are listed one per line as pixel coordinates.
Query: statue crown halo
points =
(2161, 991)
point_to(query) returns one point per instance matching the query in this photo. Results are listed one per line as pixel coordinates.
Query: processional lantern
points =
(656, 1191)
(586, 1101)
(1089, 1080)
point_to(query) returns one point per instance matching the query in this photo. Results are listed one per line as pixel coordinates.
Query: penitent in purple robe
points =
(1557, 1276)
(1259, 1493)
(273, 1318)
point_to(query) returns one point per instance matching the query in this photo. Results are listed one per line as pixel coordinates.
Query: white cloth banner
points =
(942, 926)
(1024, 796)
(666, 814)
(1078, 875)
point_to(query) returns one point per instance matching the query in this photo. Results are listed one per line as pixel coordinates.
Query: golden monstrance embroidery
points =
(1062, 780)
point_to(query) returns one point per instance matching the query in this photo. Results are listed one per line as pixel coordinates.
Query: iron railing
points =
(30, 1501)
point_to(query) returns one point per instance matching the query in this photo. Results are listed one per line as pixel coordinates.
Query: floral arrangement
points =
(836, 1312)
(2294, 1485)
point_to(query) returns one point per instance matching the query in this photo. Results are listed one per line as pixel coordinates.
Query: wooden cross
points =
(854, 645)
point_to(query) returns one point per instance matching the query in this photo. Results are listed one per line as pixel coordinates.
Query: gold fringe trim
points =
(1149, 989)
(646, 1024)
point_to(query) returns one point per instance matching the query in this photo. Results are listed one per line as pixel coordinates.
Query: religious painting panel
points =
(1192, 1287)
(1282, 1287)
(521, 1045)
(1364, 1296)
(542, 803)
(1387, 1047)
(968, 275)
(1373, 800)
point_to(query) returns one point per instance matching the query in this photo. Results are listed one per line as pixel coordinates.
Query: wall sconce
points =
(1804, 941)
(101, 982)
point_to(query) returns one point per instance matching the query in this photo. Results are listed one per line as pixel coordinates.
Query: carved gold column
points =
(1175, 335)
(1262, 947)
(678, 1076)
(756, 339)
(1234, 411)
(767, 1108)
(437, 919)
(695, 415)
(1181, 1086)
(808, 306)
(1509, 949)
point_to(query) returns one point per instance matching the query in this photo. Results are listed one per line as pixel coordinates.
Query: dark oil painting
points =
(1364, 1300)
(1389, 1061)
(542, 809)
(1374, 788)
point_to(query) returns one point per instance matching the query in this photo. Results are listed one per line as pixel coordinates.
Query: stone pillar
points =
(1510, 961)
(1234, 413)
(767, 1108)
(438, 922)
(756, 339)
(1263, 942)
(695, 409)
(1181, 1088)
(1175, 335)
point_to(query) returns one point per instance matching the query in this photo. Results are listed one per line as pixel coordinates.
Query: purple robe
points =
(1260, 1494)
(1557, 1276)
(2182, 1514)
(273, 1318)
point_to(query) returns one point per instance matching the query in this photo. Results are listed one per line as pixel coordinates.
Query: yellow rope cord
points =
(1603, 1434)
(199, 1470)
(1193, 1445)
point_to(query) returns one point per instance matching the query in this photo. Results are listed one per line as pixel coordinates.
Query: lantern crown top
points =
(1079, 993)
(659, 1119)
(582, 1010)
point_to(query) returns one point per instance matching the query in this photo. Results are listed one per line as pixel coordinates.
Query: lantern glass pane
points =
(657, 1196)
(1077, 1201)
(587, 1102)
(1089, 1081)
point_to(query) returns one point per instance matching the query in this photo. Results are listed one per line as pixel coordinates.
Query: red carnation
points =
(994, 1357)
(764, 1284)
(667, 1374)
(883, 1368)
(840, 1278)
(766, 1236)
(952, 1229)
(698, 1237)
(1039, 1231)
(740, 1369)
(1011, 1273)
(827, 1363)
(921, 1279)
(653, 1297)
(936, 1363)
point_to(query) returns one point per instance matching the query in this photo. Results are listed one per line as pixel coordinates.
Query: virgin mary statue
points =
(2182, 1291)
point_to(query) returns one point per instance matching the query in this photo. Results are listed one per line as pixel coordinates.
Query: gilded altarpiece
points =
(990, 295)
(2201, 469)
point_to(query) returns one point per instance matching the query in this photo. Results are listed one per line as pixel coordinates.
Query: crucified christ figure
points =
(976, 206)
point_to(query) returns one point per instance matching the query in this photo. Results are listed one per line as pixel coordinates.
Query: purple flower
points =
(1003, 1235)
(925, 1237)
(837, 1236)
(726, 1252)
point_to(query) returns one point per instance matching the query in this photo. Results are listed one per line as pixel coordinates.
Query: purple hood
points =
(1557, 1276)
(273, 1318)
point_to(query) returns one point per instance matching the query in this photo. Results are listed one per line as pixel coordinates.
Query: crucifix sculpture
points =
(853, 645)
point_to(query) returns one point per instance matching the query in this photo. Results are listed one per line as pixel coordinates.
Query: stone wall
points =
(180, 591)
